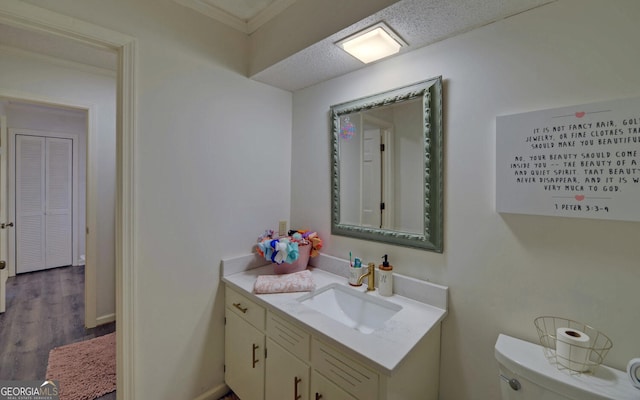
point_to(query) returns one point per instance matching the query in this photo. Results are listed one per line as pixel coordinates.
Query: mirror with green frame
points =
(387, 167)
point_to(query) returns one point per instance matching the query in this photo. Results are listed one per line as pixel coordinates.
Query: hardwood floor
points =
(45, 309)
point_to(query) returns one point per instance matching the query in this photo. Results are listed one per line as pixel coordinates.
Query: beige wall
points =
(502, 270)
(202, 193)
(212, 160)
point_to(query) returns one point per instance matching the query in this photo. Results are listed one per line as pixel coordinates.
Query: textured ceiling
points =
(417, 22)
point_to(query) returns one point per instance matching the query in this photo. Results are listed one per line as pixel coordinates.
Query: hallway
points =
(45, 309)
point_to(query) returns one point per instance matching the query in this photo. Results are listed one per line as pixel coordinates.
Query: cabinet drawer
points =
(245, 308)
(288, 336)
(322, 388)
(350, 375)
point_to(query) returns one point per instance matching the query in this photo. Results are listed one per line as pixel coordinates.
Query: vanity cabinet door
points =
(244, 358)
(287, 377)
(324, 389)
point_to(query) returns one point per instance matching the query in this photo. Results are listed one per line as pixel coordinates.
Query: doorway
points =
(36, 133)
(34, 19)
(48, 204)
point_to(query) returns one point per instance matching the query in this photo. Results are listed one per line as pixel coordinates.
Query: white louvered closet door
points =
(58, 200)
(30, 164)
(43, 202)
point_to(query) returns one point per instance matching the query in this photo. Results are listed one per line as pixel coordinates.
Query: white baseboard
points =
(105, 319)
(215, 393)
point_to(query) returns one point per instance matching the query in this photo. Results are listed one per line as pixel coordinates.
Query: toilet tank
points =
(526, 374)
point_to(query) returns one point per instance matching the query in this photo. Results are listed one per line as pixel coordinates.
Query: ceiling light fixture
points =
(375, 42)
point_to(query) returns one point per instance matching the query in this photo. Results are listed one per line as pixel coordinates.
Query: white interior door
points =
(43, 202)
(371, 177)
(4, 271)
(58, 202)
(30, 191)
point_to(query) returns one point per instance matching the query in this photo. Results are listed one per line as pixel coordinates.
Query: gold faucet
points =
(371, 282)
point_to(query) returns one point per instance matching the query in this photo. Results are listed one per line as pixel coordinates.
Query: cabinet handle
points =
(239, 307)
(296, 396)
(318, 396)
(255, 347)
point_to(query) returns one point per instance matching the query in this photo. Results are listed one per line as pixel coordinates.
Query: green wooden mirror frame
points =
(430, 91)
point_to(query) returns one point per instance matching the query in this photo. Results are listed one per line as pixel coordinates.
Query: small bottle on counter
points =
(385, 278)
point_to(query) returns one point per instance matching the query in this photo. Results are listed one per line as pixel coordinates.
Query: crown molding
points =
(67, 63)
(215, 13)
(244, 26)
(268, 14)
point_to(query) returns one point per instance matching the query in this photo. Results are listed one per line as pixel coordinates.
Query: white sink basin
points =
(350, 307)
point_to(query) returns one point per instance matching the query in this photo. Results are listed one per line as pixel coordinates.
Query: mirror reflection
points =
(387, 167)
(381, 174)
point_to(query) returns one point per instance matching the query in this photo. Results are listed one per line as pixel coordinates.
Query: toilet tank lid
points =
(528, 360)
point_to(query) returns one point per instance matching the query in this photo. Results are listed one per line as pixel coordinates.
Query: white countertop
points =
(384, 348)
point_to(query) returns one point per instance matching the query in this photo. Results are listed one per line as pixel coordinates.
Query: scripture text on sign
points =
(581, 161)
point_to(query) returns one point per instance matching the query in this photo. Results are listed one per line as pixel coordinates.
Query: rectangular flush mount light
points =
(376, 42)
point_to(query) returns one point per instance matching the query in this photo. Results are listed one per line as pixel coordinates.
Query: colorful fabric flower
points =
(286, 249)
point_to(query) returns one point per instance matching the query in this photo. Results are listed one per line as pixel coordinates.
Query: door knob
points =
(3, 265)
(5, 226)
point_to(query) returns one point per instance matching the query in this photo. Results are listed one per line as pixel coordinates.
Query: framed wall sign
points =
(581, 161)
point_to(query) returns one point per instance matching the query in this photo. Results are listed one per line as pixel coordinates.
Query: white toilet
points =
(526, 374)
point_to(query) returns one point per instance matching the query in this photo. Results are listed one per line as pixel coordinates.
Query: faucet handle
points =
(371, 281)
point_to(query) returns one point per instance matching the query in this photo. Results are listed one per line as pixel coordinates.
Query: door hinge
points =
(265, 353)
(225, 320)
(382, 206)
(381, 146)
(87, 230)
(224, 367)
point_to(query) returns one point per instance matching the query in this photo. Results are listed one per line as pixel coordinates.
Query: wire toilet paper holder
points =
(596, 348)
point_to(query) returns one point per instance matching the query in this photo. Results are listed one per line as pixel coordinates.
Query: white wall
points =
(35, 77)
(565, 53)
(212, 171)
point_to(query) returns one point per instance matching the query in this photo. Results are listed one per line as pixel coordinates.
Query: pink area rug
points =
(85, 370)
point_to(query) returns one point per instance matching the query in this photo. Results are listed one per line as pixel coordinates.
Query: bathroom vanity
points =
(279, 348)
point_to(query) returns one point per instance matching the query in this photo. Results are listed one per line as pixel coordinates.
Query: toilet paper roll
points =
(572, 349)
(633, 370)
